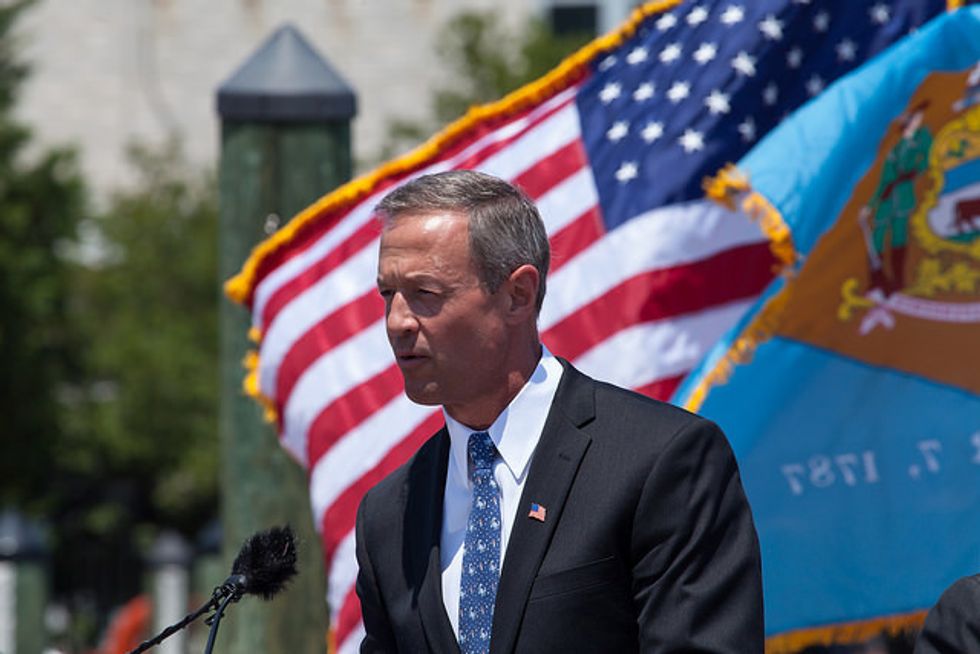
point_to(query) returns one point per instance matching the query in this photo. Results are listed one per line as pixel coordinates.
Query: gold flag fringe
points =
(843, 633)
(731, 188)
(250, 386)
(240, 287)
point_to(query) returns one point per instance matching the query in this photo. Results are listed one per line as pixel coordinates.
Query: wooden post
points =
(285, 141)
(23, 584)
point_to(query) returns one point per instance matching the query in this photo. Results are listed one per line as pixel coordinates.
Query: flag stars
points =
(733, 14)
(607, 63)
(643, 92)
(879, 13)
(770, 94)
(678, 91)
(618, 130)
(666, 21)
(814, 85)
(744, 64)
(705, 53)
(627, 171)
(636, 56)
(671, 53)
(747, 129)
(794, 57)
(771, 28)
(610, 92)
(652, 131)
(821, 21)
(717, 102)
(691, 140)
(846, 50)
(697, 16)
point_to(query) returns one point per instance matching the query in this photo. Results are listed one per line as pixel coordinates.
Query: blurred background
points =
(109, 289)
(111, 463)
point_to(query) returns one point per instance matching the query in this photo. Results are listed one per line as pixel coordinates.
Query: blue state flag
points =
(851, 391)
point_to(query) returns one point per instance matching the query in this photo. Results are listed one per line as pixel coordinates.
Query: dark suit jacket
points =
(648, 544)
(953, 624)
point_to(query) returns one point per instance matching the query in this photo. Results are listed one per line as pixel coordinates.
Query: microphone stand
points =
(215, 620)
(223, 595)
(263, 566)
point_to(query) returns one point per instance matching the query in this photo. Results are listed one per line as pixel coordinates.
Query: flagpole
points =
(285, 141)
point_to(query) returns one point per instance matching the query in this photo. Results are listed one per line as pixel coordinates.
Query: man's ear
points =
(522, 290)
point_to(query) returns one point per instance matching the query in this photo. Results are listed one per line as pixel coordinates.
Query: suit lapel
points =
(553, 468)
(426, 486)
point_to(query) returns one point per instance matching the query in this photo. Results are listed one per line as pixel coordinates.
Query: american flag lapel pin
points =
(538, 512)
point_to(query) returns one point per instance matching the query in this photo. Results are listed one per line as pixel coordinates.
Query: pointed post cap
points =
(286, 80)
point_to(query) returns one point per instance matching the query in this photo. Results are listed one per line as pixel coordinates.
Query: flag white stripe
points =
(568, 200)
(659, 239)
(332, 375)
(347, 282)
(342, 574)
(358, 215)
(647, 352)
(360, 449)
(352, 643)
(542, 140)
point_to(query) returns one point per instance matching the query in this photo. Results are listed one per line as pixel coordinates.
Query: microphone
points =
(264, 565)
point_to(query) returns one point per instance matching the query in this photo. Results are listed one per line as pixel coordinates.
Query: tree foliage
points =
(146, 417)
(138, 451)
(41, 202)
(486, 59)
(108, 355)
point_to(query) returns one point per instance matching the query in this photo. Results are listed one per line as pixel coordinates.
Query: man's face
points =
(447, 332)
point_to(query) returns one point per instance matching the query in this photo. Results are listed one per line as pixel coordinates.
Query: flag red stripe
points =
(348, 617)
(331, 331)
(575, 237)
(663, 293)
(478, 157)
(339, 518)
(661, 389)
(361, 238)
(349, 410)
(548, 172)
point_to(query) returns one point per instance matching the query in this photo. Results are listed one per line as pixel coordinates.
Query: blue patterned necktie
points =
(481, 550)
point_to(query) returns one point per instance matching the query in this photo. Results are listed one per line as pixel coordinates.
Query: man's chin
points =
(424, 395)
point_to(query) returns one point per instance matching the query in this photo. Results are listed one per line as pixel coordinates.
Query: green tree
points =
(486, 59)
(138, 447)
(41, 203)
(147, 415)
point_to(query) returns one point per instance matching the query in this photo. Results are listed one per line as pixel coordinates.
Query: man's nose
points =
(400, 318)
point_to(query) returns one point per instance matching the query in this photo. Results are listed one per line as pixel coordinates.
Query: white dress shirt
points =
(515, 432)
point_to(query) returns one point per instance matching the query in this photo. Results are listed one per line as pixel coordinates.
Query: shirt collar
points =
(517, 429)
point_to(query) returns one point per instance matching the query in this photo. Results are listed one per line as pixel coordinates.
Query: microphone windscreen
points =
(267, 560)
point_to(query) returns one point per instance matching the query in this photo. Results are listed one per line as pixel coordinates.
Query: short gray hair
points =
(505, 227)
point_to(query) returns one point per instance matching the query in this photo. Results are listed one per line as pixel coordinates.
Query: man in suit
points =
(552, 513)
(952, 626)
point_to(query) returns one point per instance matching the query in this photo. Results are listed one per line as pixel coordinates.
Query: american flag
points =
(646, 274)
